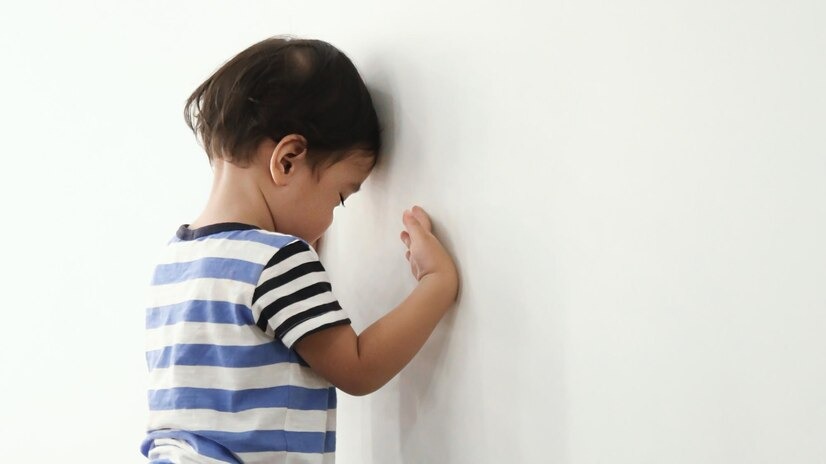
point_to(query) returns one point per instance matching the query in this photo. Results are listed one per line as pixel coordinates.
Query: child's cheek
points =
(329, 220)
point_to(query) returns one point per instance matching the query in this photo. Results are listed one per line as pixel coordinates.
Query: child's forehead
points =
(360, 160)
(352, 169)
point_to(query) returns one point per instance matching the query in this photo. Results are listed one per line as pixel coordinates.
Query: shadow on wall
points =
(400, 172)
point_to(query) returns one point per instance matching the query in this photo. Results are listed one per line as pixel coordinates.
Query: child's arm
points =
(361, 364)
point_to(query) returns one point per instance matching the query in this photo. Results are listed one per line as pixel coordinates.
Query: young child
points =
(246, 343)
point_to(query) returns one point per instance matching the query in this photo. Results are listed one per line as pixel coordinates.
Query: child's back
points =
(219, 386)
(246, 343)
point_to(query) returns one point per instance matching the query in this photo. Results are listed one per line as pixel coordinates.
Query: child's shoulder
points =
(232, 238)
(279, 245)
(226, 230)
(278, 239)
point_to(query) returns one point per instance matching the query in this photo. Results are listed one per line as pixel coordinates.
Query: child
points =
(246, 343)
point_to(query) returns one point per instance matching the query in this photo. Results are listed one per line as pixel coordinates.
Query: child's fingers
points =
(423, 218)
(414, 269)
(405, 238)
(414, 228)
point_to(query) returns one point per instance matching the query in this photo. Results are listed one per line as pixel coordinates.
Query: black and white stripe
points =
(294, 296)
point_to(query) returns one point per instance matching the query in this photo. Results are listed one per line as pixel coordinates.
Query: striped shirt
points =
(227, 303)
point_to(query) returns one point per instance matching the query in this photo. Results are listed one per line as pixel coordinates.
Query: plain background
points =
(635, 193)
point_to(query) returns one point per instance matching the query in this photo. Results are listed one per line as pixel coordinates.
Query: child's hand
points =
(424, 251)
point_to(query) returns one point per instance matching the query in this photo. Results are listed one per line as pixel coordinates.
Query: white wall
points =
(634, 192)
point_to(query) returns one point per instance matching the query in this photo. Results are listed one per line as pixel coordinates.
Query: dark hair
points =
(279, 86)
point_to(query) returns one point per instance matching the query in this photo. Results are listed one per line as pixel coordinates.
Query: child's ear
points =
(290, 150)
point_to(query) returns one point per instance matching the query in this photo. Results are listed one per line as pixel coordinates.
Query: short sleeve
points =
(294, 297)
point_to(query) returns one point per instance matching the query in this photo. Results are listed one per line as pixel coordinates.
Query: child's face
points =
(308, 209)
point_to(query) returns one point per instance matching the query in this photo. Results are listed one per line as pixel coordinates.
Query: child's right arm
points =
(361, 364)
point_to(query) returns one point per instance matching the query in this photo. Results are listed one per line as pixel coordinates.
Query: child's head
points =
(298, 109)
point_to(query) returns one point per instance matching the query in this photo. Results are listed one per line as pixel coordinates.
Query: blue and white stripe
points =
(221, 389)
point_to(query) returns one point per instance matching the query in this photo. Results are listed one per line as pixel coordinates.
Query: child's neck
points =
(235, 197)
